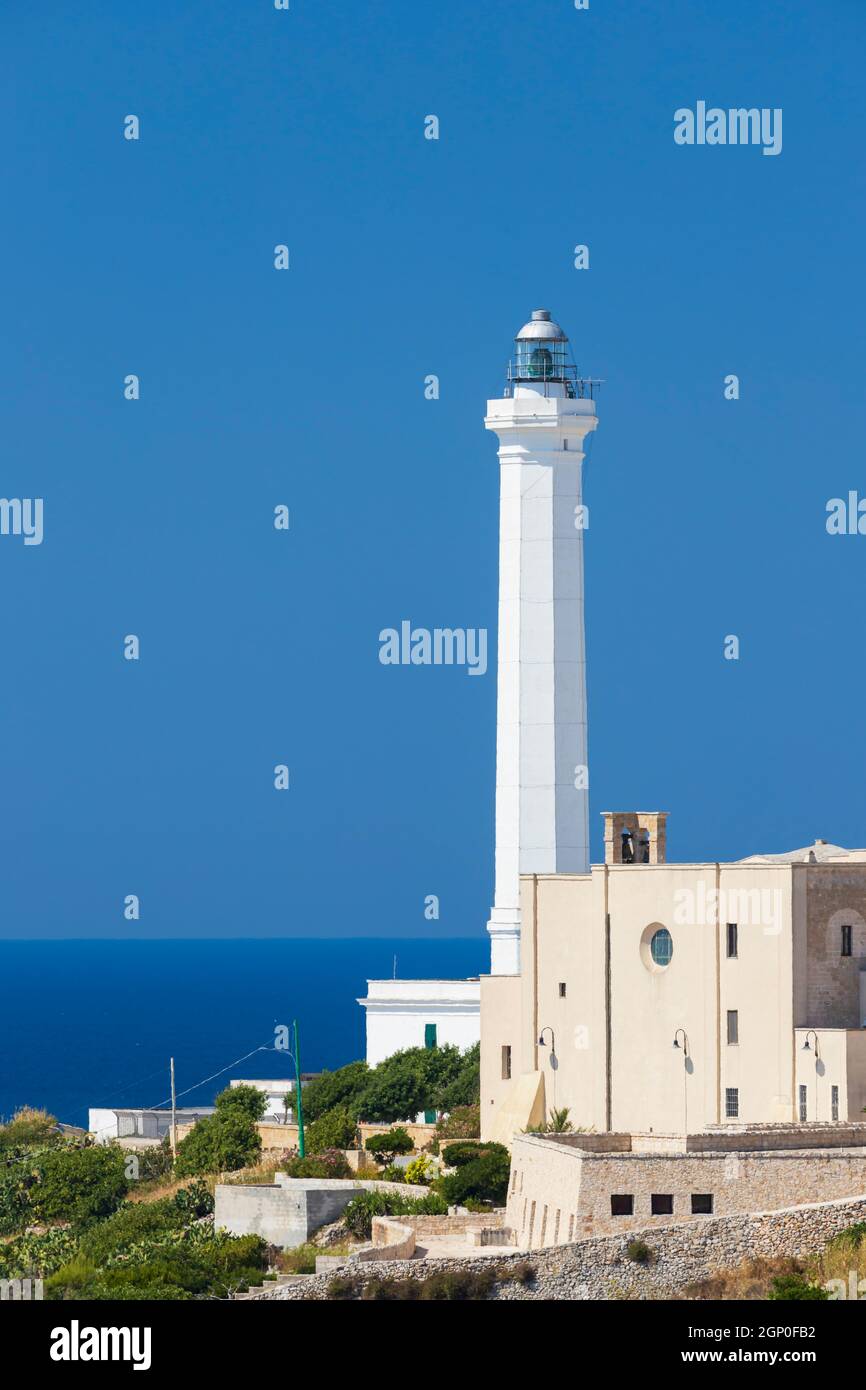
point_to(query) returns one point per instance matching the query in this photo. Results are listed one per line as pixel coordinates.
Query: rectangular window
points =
(732, 941)
(506, 1063)
(662, 1204)
(562, 989)
(429, 1034)
(846, 941)
(702, 1204)
(732, 1103)
(804, 1104)
(621, 1204)
(733, 1026)
(834, 1102)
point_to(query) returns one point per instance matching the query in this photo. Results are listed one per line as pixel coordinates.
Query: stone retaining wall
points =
(600, 1268)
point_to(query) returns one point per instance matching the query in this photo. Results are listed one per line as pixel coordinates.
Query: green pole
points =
(300, 1104)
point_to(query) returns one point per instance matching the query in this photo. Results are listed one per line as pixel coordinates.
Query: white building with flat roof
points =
(420, 1013)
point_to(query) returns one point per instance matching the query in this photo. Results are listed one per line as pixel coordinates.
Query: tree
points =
(464, 1122)
(333, 1089)
(334, 1129)
(409, 1081)
(394, 1141)
(78, 1185)
(228, 1139)
(249, 1100)
(483, 1179)
(465, 1087)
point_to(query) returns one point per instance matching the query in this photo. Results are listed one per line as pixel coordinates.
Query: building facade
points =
(756, 970)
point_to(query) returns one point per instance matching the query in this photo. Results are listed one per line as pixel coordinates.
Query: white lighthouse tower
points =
(542, 797)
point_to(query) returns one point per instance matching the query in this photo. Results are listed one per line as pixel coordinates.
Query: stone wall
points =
(558, 1193)
(601, 1269)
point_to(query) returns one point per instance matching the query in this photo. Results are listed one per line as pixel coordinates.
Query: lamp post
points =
(808, 1048)
(685, 1052)
(296, 1055)
(542, 1043)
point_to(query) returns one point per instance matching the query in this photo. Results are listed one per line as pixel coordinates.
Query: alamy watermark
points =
(737, 126)
(750, 907)
(22, 516)
(439, 646)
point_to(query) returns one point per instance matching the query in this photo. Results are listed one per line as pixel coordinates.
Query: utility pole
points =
(300, 1103)
(173, 1118)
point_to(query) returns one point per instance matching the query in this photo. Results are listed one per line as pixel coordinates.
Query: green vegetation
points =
(638, 1251)
(418, 1078)
(330, 1164)
(420, 1171)
(359, 1214)
(226, 1140)
(463, 1122)
(334, 1129)
(482, 1174)
(788, 1287)
(394, 1141)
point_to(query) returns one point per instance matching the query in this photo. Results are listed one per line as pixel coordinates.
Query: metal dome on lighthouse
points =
(542, 363)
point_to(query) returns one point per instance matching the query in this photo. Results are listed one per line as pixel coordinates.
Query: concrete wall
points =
(287, 1212)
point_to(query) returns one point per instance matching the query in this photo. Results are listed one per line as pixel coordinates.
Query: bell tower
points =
(542, 796)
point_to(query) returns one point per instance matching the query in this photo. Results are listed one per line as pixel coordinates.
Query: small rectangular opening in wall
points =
(732, 941)
(846, 941)
(662, 1204)
(621, 1204)
(702, 1204)
(834, 1102)
(804, 1104)
(562, 989)
(506, 1062)
(732, 1103)
(733, 1027)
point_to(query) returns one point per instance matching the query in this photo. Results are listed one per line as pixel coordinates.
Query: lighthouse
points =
(542, 783)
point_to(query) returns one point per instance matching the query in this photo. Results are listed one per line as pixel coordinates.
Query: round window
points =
(662, 947)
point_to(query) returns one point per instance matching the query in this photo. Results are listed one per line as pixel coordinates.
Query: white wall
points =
(399, 1010)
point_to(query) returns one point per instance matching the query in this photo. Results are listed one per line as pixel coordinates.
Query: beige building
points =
(666, 998)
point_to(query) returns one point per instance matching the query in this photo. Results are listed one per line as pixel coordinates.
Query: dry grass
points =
(752, 1280)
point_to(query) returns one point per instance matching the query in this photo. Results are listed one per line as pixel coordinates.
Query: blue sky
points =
(305, 387)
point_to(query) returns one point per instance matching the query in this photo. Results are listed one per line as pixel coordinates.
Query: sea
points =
(95, 1023)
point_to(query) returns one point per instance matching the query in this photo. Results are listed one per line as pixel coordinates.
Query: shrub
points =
(463, 1122)
(35, 1256)
(466, 1151)
(482, 1179)
(638, 1251)
(335, 1129)
(220, 1143)
(392, 1174)
(340, 1287)
(394, 1141)
(789, 1287)
(78, 1185)
(29, 1128)
(520, 1272)
(458, 1284)
(330, 1164)
(247, 1100)
(359, 1214)
(334, 1089)
(420, 1171)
